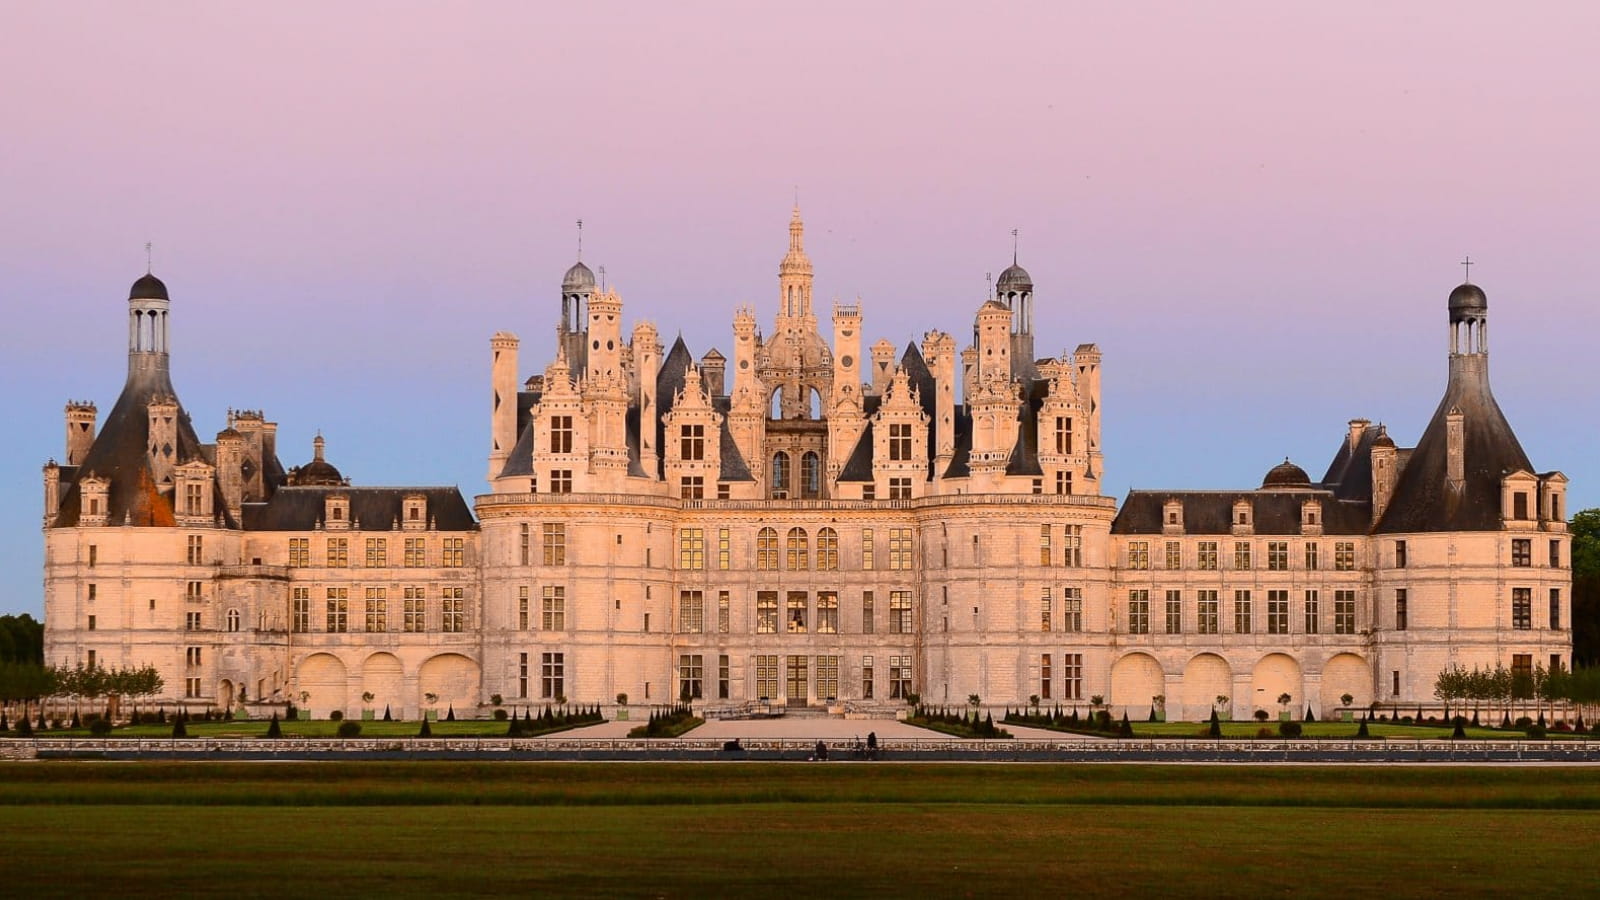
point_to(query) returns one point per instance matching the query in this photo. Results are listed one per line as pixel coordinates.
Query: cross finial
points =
(1467, 265)
(1013, 246)
(580, 240)
(147, 266)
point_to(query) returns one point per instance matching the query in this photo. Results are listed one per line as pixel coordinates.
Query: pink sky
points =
(1257, 210)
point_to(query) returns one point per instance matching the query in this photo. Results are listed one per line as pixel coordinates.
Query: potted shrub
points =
(1158, 708)
(1222, 706)
(1283, 706)
(622, 707)
(1347, 714)
(432, 700)
(367, 713)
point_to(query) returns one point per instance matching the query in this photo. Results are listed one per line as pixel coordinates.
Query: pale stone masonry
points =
(799, 524)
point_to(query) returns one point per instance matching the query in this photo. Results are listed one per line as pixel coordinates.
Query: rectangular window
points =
(1522, 552)
(1072, 609)
(1138, 554)
(560, 434)
(455, 552)
(1139, 612)
(93, 589)
(691, 549)
(299, 553)
(899, 443)
(1277, 612)
(1311, 556)
(94, 555)
(1277, 556)
(554, 545)
(828, 613)
(899, 677)
(724, 549)
(338, 553)
(1344, 612)
(767, 675)
(1521, 608)
(454, 604)
(1207, 613)
(1521, 668)
(191, 499)
(1400, 554)
(1241, 554)
(552, 675)
(1206, 555)
(827, 550)
(797, 555)
(196, 555)
(377, 609)
(1072, 676)
(522, 608)
(1046, 556)
(1555, 609)
(868, 614)
(1174, 612)
(525, 544)
(1046, 607)
(300, 606)
(553, 609)
(1072, 546)
(1045, 676)
(1174, 555)
(767, 549)
(692, 487)
(899, 489)
(827, 677)
(560, 481)
(723, 671)
(1344, 556)
(867, 672)
(795, 612)
(522, 676)
(91, 623)
(692, 443)
(1555, 554)
(416, 553)
(1063, 432)
(1313, 617)
(377, 553)
(415, 611)
(1519, 505)
(866, 548)
(1063, 482)
(899, 549)
(869, 491)
(767, 613)
(338, 610)
(1243, 609)
(691, 675)
(691, 612)
(1400, 609)
(900, 612)
(191, 686)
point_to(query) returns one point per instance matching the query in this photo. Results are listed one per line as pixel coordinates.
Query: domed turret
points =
(317, 473)
(1467, 300)
(578, 279)
(1286, 475)
(1014, 278)
(148, 287)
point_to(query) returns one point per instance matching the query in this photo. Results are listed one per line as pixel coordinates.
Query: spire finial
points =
(1013, 246)
(148, 268)
(602, 272)
(1467, 265)
(580, 240)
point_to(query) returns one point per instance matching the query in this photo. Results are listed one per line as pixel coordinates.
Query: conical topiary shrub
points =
(274, 730)
(1460, 731)
(1311, 715)
(1126, 729)
(450, 714)
(1361, 732)
(1216, 725)
(387, 716)
(178, 731)
(426, 731)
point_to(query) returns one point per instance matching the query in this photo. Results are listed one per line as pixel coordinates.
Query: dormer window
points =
(336, 511)
(414, 512)
(1519, 505)
(1241, 515)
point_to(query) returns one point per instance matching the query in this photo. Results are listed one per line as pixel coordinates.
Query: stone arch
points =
(322, 679)
(1276, 674)
(226, 693)
(1206, 677)
(1135, 679)
(383, 677)
(1346, 673)
(454, 678)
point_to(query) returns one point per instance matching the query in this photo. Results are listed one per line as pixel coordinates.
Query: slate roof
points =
(1211, 512)
(374, 508)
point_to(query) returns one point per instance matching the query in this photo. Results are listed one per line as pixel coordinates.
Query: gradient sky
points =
(1257, 210)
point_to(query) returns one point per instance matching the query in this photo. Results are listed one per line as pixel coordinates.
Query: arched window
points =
(799, 551)
(827, 550)
(767, 549)
(233, 620)
(810, 475)
(780, 476)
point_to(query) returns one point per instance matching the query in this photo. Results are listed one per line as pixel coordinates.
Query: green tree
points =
(1585, 531)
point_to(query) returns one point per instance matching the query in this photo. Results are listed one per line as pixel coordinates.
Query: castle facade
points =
(797, 525)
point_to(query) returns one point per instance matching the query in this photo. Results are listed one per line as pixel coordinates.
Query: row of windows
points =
(336, 553)
(797, 618)
(413, 609)
(552, 675)
(1208, 557)
(1204, 616)
(1521, 553)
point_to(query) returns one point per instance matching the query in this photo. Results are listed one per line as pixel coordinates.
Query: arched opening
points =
(321, 684)
(775, 403)
(382, 677)
(1346, 673)
(233, 620)
(810, 475)
(448, 681)
(225, 693)
(1206, 677)
(814, 408)
(1274, 676)
(797, 552)
(780, 475)
(1136, 679)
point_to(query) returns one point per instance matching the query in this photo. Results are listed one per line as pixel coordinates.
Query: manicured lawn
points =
(1341, 730)
(321, 728)
(825, 830)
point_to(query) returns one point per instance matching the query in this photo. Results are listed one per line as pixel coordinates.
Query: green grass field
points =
(1330, 730)
(820, 830)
